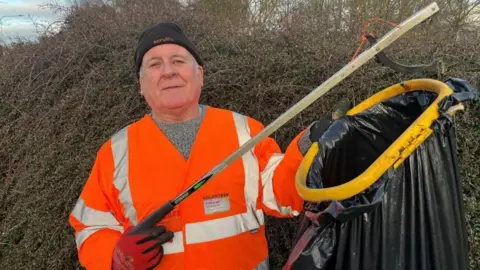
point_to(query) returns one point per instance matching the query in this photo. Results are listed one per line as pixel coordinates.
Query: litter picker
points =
(343, 73)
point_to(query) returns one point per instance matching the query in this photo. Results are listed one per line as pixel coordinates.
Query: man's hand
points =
(315, 131)
(313, 134)
(140, 251)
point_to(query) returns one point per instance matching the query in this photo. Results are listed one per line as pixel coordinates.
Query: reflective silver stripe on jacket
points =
(269, 199)
(264, 265)
(250, 168)
(83, 235)
(120, 176)
(176, 246)
(220, 228)
(95, 220)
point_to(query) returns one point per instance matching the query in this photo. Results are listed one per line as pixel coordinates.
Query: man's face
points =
(170, 79)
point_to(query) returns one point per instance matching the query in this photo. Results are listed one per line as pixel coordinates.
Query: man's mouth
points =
(171, 87)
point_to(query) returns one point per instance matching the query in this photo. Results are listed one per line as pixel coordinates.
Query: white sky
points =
(16, 18)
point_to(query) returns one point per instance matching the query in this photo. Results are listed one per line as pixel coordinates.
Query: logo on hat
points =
(162, 40)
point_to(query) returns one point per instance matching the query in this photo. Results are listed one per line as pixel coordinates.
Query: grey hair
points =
(195, 65)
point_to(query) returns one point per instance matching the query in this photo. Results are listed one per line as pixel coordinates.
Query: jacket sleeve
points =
(97, 228)
(278, 193)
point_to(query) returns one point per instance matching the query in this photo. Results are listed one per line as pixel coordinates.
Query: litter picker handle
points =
(343, 73)
(157, 216)
(168, 207)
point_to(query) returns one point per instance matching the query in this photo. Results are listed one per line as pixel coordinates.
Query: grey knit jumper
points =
(182, 135)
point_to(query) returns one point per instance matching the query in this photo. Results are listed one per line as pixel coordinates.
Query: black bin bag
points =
(382, 185)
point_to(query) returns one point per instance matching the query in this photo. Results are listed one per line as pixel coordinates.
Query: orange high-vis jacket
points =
(220, 226)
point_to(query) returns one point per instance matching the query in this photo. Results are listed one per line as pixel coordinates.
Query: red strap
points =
(299, 247)
(364, 32)
(364, 38)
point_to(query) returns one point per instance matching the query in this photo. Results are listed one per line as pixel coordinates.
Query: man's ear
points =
(200, 73)
(140, 84)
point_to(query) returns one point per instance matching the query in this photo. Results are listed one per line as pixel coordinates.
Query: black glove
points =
(313, 133)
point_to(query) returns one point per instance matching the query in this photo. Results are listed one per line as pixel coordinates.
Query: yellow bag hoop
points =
(394, 155)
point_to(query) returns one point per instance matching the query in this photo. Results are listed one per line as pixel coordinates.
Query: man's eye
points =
(153, 64)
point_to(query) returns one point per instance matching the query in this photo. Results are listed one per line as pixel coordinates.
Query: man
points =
(152, 160)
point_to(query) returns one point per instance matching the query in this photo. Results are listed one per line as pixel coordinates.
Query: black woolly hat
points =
(163, 33)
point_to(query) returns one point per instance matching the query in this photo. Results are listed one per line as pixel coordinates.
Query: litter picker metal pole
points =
(343, 73)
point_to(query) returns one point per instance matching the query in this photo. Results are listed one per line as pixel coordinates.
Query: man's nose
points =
(167, 70)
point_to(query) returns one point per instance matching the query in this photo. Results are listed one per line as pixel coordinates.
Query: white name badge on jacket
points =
(216, 203)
